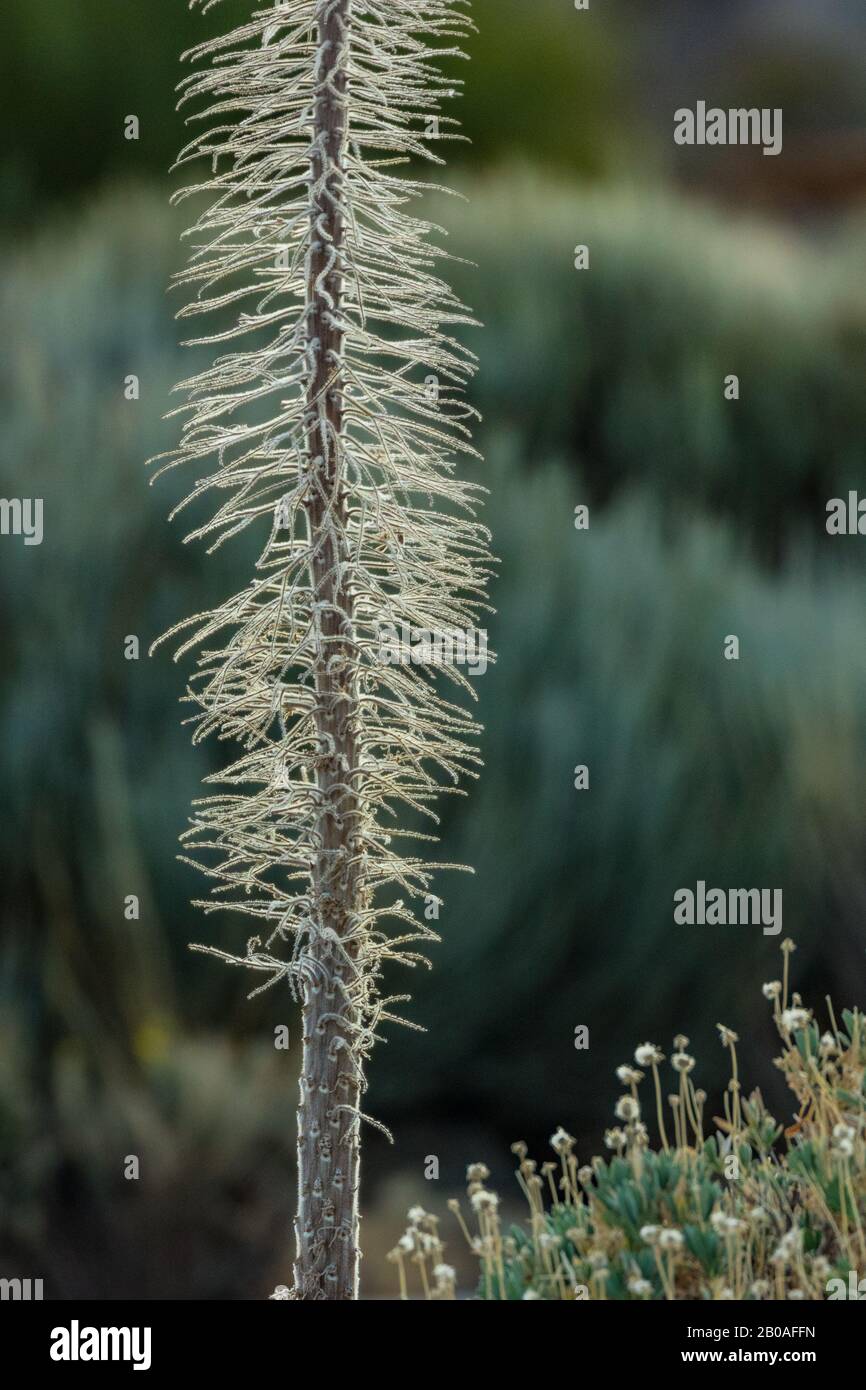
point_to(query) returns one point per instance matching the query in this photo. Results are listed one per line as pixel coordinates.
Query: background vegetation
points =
(707, 517)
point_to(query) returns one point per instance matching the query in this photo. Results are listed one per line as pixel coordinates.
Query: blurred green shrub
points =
(541, 84)
(89, 64)
(610, 654)
(208, 1214)
(89, 808)
(622, 366)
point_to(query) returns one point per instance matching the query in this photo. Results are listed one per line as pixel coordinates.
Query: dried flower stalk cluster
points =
(732, 1208)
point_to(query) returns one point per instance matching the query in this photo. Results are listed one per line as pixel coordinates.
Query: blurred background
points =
(600, 387)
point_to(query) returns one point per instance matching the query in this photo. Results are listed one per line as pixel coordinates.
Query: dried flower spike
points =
(327, 427)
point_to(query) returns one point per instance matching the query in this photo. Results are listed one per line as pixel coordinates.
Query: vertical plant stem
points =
(328, 1140)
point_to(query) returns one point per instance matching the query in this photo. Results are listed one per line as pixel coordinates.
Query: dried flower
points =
(315, 433)
(628, 1076)
(794, 1019)
(561, 1142)
(483, 1200)
(588, 1233)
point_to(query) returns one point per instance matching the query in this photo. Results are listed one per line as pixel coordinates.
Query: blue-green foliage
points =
(622, 366)
(706, 519)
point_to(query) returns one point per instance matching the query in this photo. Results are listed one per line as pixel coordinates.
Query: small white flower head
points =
(597, 1259)
(641, 1288)
(828, 1044)
(484, 1200)
(789, 1247)
(843, 1148)
(530, 1293)
(648, 1055)
(416, 1215)
(627, 1108)
(628, 1076)
(650, 1234)
(759, 1216)
(726, 1295)
(445, 1275)
(281, 1293)
(585, 1175)
(796, 1293)
(759, 1289)
(727, 1036)
(842, 1131)
(477, 1172)
(794, 1019)
(772, 989)
(670, 1238)
(548, 1241)
(406, 1243)
(682, 1062)
(561, 1142)
(614, 1138)
(718, 1221)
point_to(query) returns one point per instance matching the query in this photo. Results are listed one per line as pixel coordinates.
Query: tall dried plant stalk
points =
(331, 423)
